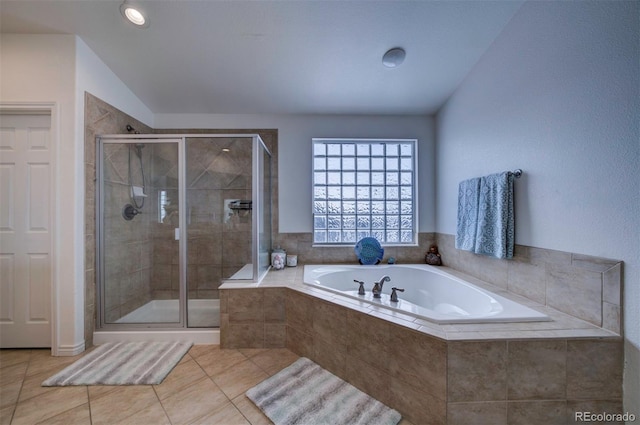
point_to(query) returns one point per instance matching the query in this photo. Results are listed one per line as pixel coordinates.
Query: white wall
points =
(93, 76)
(40, 68)
(294, 149)
(557, 95)
(59, 69)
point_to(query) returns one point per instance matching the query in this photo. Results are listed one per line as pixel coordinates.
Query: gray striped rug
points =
(305, 393)
(122, 363)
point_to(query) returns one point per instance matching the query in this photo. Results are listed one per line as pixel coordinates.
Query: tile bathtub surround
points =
(302, 245)
(586, 287)
(500, 373)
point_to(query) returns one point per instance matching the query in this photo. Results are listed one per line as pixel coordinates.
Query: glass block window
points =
(364, 188)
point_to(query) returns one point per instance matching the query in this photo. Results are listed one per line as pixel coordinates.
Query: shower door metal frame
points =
(100, 266)
(181, 140)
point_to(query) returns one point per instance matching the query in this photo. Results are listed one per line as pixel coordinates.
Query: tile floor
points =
(206, 387)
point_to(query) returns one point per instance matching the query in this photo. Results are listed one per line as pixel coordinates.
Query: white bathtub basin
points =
(430, 293)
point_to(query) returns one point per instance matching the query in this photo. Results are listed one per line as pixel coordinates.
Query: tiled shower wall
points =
(219, 241)
(206, 252)
(127, 244)
(99, 118)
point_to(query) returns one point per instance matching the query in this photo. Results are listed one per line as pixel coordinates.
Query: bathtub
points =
(430, 293)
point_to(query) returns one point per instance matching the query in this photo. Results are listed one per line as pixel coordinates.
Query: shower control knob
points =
(129, 211)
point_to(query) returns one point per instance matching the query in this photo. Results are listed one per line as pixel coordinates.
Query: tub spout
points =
(377, 287)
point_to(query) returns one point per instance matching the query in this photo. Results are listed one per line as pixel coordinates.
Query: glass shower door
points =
(139, 214)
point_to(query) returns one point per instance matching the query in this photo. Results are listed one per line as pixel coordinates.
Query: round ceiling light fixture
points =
(394, 57)
(134, 15)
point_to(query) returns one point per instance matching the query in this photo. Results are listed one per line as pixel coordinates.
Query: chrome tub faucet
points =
(377, 286)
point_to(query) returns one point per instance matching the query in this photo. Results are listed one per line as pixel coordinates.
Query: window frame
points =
(370, 141)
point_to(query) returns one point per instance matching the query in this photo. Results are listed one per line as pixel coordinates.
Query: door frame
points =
(52, 109)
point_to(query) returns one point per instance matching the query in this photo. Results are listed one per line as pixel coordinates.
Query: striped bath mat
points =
(122, 363)
(305, 393)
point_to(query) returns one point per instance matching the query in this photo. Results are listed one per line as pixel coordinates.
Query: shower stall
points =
(177, 215)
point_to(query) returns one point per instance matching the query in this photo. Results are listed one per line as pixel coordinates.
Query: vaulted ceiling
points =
(278, 57)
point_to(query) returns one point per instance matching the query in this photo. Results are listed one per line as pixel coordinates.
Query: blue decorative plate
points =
(369, 251)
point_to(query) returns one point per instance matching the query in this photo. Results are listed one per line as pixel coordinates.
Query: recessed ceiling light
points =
(393, 57)
(134, 15)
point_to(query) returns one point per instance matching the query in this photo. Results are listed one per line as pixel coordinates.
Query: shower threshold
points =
(201, 313)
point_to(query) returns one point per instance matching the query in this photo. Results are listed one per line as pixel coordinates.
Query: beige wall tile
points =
(275, 335)
(246, 335)
(245, 306)
(300, 342)
(368, 339)
(330, 355)
(594, 369)
(537, 370)
(330, 323)
(299, 311)
(536, 412)
(419, 360)
(593, 406)
(418, 406)
(477, 371)
(577, 292)
(527, 280)
(612, 285)
(274, 305)
(477, 413)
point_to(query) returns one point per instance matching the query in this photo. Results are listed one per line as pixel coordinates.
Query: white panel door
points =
(25, 230)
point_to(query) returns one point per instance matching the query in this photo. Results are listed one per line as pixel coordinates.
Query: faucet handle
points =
(394, 295)
(361, 289)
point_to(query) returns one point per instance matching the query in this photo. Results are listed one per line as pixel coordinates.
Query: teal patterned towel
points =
(493, 218)
(468, 196)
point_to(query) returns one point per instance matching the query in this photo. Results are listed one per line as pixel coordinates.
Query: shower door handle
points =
(176, 234)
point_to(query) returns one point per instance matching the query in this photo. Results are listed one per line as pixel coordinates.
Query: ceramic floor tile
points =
(42, 361)
(193, 402)
(251, 411)
(80, 415)
(227, 414)
(218, 361)
(6, 414)
(121, 403)
(153, 414)
(11, 357)
(13, 373)
(49, 404)
(32, 386)
(9, 394)
(181, 376)
(97, 391)
(273, 361)
(240, 378)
